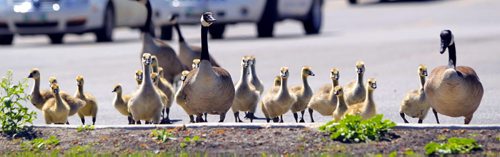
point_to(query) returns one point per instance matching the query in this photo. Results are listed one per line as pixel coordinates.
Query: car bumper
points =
(66, 20)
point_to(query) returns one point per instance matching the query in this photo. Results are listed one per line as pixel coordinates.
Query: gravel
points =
(250, 141)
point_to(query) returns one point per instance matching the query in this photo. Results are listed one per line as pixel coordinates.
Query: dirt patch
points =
(243, 141)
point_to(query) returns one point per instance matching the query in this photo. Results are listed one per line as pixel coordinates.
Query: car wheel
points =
(217, 31)
(312, 22)
(353, 1)
(56, 38)
(265, 26)
(105, 33)
(6, 39)
(166, 32)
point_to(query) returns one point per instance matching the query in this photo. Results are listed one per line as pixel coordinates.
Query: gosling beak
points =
(374, 86)
(359, 70)
(114, 90)
(425, 73)
(312, 74)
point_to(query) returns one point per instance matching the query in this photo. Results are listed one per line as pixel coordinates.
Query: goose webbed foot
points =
(268, 120)
(199, 118)
(246, 115)
(296, 116)
(302, 116)
(130, 120)
(436, 115)
(420, 121)
(276, 119)
(403, 116)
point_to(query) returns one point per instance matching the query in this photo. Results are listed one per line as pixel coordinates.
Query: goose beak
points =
(443, 47)
(30, 76)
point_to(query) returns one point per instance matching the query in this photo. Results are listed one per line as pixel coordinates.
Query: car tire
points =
(105, 33)
(352, 2)
(313, 20)
(56, 38)
(265, 26)
(6, 39)
(217, 31)
(166, 32)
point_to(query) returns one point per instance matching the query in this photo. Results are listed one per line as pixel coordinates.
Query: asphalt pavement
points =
(392, 39)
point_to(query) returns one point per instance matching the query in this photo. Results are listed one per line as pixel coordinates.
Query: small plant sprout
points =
(454, 145)
(353, 129)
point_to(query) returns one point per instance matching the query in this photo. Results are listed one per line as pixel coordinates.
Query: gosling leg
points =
(83, 120)
(436, 115)
(93, 120)
(251, 116)
(276, 119)
(302, 117)
(296, 116)
(130, 120)
(191, 119)
(237, 117)
(199, 118)
(167, 110)
(403, 116)
(268, 120)
(67, 122)
(222, 117)
(206, 119)
(420, 121)
(281, 119)
(311, 114)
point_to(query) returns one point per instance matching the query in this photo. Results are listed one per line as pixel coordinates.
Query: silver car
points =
(264, 13)
(56, 18)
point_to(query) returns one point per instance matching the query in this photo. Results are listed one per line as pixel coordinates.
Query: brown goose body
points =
(454, 93)
(166, 55)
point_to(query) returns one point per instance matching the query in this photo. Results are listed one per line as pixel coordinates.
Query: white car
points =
(262, 12)
(58, 17)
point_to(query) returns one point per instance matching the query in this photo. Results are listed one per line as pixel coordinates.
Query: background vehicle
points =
(264, 13)
(56, 18)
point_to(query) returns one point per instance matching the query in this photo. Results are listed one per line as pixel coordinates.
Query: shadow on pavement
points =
(389, 2)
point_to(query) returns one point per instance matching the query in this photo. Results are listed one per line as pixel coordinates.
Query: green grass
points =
(452, 146)
(39, 144)
(85, 128)
(190, 140)
(161, 135)
(353, 129)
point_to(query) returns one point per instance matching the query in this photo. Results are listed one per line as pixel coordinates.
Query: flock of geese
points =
(207, 88)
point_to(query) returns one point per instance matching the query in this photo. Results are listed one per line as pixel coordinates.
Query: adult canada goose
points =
(254, 80)
(453, 90)
(164, 98)
(166, 56)
(246, 97)
(38, 97)
(415, 104)
(324, 100)
(145, 103)
(341, 107)
(55, 110)
(75, 103)
(180, 97)
(367, 108)
(208, 89)
(355, 90)
(303, 93)
(278, 101)
(120, 102)
(188, 52)
(166, 88)
(90, 108)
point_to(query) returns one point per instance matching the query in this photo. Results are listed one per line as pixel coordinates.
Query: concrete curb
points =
(269, 125)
